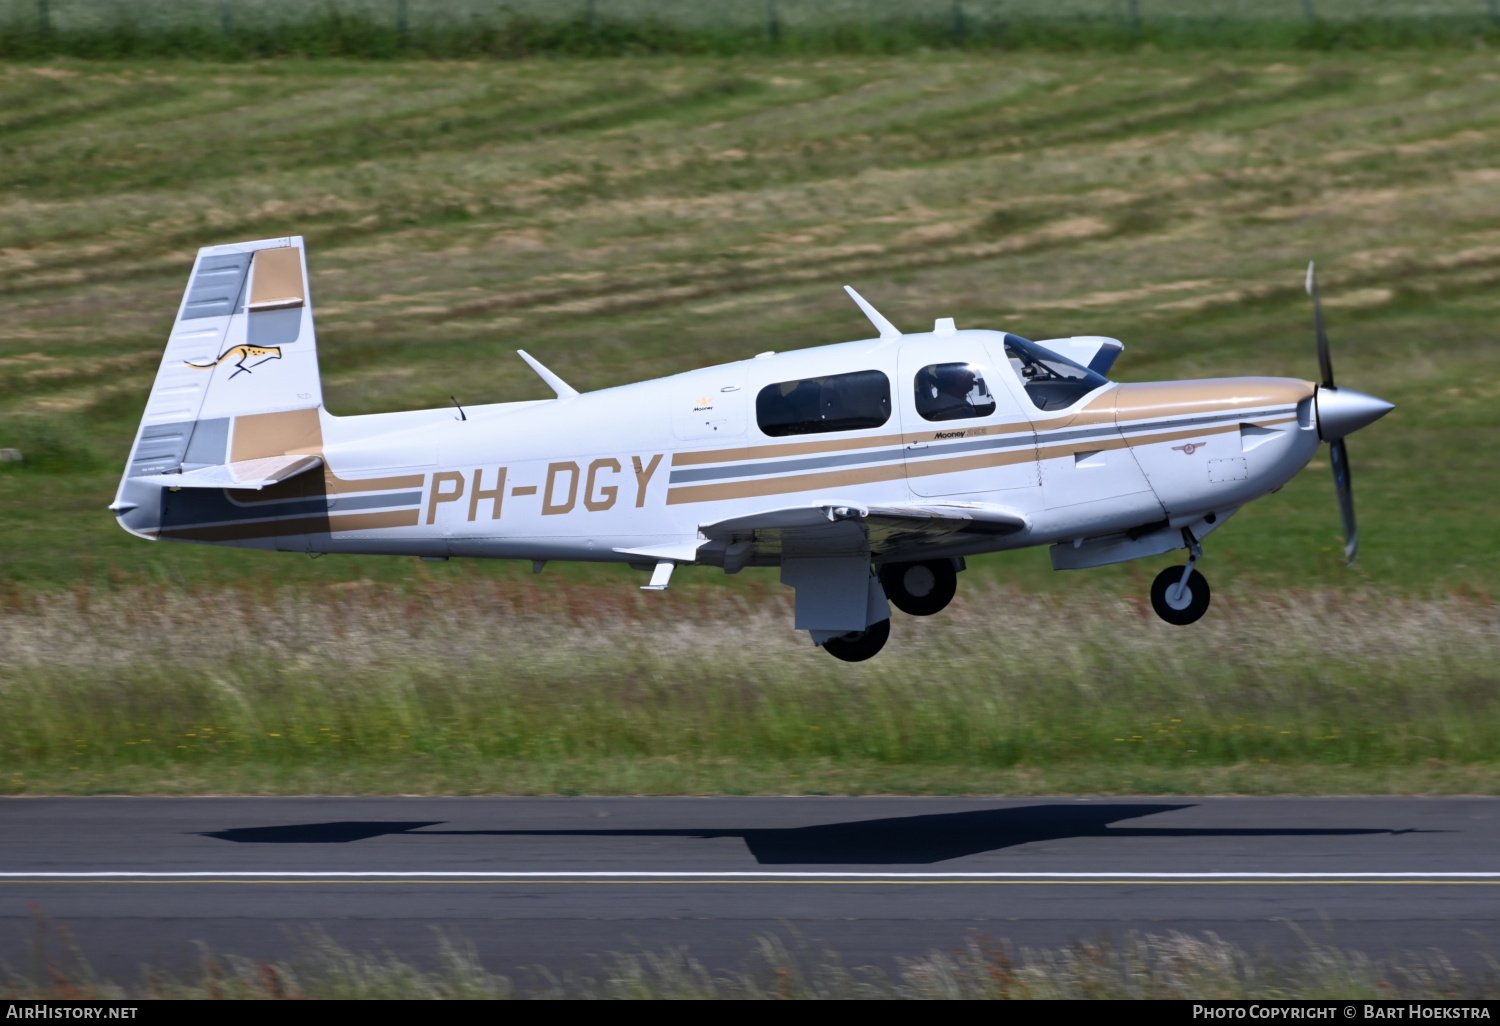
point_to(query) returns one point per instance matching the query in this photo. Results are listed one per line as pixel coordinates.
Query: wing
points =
(828, 529)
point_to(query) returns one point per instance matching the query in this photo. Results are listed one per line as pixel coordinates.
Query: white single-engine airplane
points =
(866, 471)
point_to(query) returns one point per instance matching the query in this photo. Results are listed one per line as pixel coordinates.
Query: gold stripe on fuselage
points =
(1163, 400)
(341, 485)
(933, 467)
(782, 485)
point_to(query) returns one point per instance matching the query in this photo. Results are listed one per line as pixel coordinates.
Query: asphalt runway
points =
(554, 881)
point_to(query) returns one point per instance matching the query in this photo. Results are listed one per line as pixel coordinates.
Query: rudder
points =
(242, 346)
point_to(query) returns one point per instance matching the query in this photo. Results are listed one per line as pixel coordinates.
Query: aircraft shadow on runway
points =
(905, 840)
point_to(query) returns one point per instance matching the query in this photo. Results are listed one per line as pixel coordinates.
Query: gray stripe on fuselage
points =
(339, 502)
(783, 466)
(1015, 440)
(1115, 430)
(1012, 440)
(1184, 422)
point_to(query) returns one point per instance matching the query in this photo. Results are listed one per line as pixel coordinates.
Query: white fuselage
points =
(631, 473)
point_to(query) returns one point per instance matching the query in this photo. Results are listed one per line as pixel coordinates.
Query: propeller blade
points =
(1325, 361)
(1338, 455)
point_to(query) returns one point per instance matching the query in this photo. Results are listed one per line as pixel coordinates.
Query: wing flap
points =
(832, 527)
(969, 517)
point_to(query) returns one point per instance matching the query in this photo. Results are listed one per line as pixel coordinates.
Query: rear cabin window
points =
(838, 402)
(1052, 382)
(953, 391)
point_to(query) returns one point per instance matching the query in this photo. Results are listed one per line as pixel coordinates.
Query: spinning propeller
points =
(1341, 412)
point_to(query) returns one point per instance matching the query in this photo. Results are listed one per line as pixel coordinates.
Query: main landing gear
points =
(920, 589)
(857, 646)
(917, 589)
(1180, 595)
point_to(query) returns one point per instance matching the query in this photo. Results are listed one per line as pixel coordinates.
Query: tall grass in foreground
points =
(483, 686)
(1172, 967)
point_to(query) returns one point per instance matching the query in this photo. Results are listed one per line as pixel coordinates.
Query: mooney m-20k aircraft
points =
(866, 471)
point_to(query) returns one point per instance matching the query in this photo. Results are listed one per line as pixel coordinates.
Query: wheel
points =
(1176, 604)
(920, 589)
(857, 646)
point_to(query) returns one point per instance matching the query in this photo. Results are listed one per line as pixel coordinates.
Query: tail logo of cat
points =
(240, 355)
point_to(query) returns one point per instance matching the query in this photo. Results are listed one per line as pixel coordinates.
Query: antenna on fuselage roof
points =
(561, 387)
(888, 331)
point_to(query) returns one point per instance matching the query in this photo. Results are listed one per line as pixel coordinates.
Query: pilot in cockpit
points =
(950, 396)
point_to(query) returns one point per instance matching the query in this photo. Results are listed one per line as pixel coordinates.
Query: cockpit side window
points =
(953, 391)
(837, 402)
(1052, 382)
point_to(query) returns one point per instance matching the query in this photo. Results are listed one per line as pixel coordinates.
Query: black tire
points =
(1197, 601)
(920, 589)
(857, 646)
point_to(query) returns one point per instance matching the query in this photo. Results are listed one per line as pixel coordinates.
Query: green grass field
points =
(630, 218)
(624, 219)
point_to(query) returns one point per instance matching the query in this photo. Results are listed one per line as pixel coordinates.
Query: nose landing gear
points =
(1181, 596)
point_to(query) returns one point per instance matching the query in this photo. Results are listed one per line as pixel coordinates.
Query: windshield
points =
(1053, 382)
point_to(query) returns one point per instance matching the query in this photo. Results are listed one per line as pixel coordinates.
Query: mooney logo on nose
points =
(260, 354)
(1189, 448)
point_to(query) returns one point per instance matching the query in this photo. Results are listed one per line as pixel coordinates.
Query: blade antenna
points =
(561, 387)
(888, 331)
(1325, 361)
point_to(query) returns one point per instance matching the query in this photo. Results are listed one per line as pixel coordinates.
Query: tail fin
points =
(242, 347)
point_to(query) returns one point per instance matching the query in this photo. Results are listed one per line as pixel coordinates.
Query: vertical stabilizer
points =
(242, 348)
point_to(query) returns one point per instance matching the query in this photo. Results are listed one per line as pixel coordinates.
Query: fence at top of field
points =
(770, 16)
(374, 28)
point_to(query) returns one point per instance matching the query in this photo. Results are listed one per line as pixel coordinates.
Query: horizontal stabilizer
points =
(674, 552)
(246, 474)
